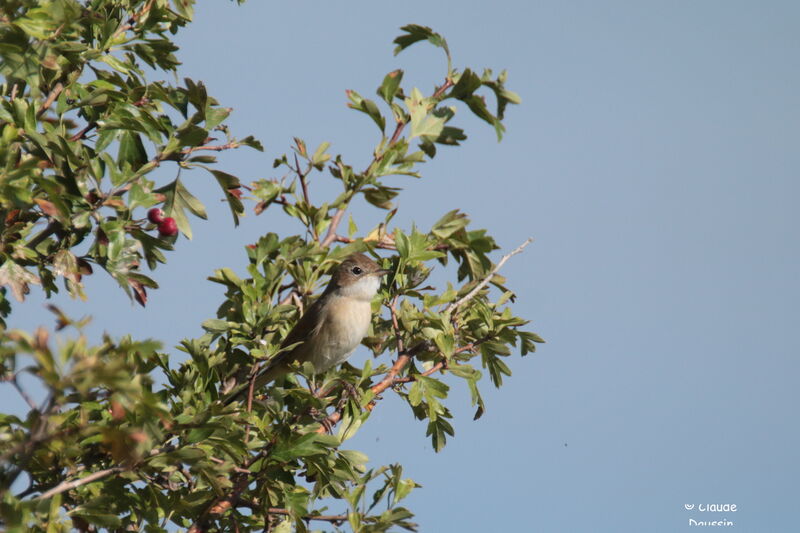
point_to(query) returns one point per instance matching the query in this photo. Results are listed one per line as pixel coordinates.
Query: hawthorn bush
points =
(82, 132)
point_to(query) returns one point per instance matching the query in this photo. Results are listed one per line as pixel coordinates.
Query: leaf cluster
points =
(84, 138)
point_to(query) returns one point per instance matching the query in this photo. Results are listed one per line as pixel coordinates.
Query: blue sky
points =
(654, 160)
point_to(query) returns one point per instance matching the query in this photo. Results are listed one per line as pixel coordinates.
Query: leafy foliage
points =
(75, 94)
(108, 447)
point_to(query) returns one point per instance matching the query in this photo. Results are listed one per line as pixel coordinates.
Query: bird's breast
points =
(344, 324)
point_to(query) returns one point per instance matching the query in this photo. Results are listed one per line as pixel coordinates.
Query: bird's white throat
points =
(363, 289)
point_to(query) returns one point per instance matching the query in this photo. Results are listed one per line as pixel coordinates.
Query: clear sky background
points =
(655, 161)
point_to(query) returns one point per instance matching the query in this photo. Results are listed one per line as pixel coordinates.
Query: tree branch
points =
(22, 393)
(50, 99)
(471, 294)
(68, 485)
(333, 518)
(217, 148)
(82, 133)
(51, 228)
(335, 221)
(387, 381)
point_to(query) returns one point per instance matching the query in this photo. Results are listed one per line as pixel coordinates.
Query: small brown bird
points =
(332, 328)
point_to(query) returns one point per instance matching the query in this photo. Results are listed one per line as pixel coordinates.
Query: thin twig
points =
(441, 364)
(68, 485)
(441, 90)
(471, 294)
(82, 133)
(50, 99)
(24, 394)
(335, 221)
(302, 177)
(51, 228)
(396, 325)
(386, 242)
(217, 148)
(383, 244)
(288, 298)
(132, 20)
(256, 506)
(387, 381)
(323, 517)
(238, 469)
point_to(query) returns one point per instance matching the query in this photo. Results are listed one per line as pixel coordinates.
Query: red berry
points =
(155, 215)
(168, 227)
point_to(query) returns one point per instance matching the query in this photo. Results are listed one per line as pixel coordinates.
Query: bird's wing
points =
(305, 329)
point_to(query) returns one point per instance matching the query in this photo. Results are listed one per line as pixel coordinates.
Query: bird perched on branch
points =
(331, 329)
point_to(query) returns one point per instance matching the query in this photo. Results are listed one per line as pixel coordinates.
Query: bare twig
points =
(334, 518)
(51, 228)
(471, 294)
(288, 298)
(397, 131)
(238, 469)
(441, 364)
(302, 176)
(335, 221)
(384, 244)
(68, 485)
(50, 99)
(230, 500)
(82, 133)
(133, 19)
(441, 90)
(396, 325)
(217, 148)
(256, 506)
(24, 394)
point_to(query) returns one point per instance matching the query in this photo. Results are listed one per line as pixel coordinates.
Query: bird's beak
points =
(382, 272)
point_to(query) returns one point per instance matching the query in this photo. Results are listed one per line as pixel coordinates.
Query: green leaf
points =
(97, 517)
(252, 142)
(390, 86)
(467, 84)
(446, 344)
(131, 150)
(198, 434)
(228, 183)
(215, 116)
(179, 199)
(403, 489)
(114, 63)
(366, 106)
(192, 135)
(303, 446)
(415, 33)
(438, 430)
(402, 243)
(449, 224)
(424, 123)
(214, 325)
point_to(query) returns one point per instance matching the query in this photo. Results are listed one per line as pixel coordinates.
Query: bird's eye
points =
(357, 271)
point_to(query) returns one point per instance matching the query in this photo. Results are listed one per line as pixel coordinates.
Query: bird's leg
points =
(349, 390)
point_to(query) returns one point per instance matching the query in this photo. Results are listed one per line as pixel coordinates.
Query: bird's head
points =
(357, 276)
